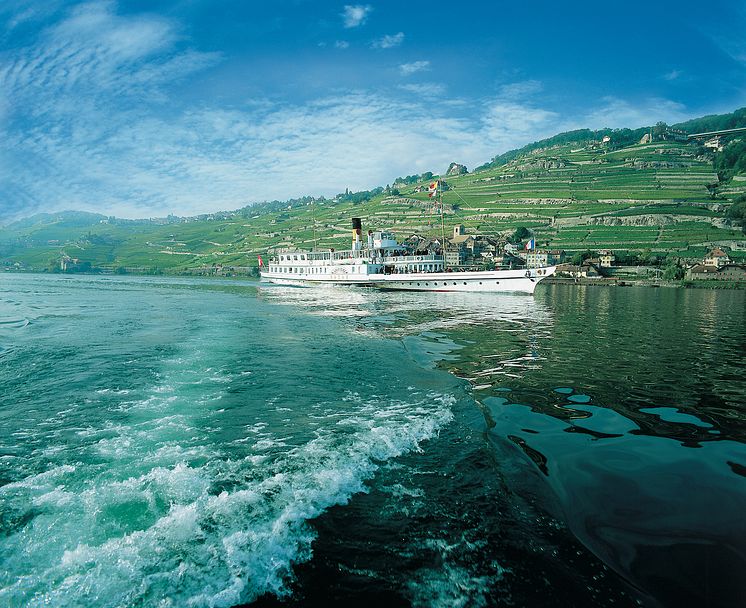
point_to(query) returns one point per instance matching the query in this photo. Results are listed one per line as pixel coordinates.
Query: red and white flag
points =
(261, 263)
(432, 189)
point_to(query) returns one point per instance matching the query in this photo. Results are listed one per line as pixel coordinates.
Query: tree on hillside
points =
(582, 256)
(737, 212)
(659, 130)
(731, 161)
(715, 122)
(673, 272)
(521, 234)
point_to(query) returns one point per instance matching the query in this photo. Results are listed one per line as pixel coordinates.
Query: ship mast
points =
(313, 222)
(442, 225)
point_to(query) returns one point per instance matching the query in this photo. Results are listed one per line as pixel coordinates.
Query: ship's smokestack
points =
(357, 229)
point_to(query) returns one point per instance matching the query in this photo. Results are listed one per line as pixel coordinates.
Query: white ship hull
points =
(495, 281)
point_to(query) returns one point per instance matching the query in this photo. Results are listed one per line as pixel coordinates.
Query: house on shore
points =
(717, 258)
(717, 266)
(606, 258)
(729, 272)
(586, 270)
(540, 257)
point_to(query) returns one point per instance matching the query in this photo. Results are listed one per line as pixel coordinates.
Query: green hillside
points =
(573, 191)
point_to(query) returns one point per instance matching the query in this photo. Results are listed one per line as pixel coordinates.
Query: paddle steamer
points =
(384, 263)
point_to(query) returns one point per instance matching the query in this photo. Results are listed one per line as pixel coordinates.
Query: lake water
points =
(178, 442)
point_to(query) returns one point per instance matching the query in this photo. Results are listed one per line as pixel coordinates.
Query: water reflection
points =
(635, 419)
(629, 402)
(414, 311)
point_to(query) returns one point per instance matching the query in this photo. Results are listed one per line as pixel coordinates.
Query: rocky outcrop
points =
(456, 169)
(657, 219)
(657, 164)
(549, 163)
(403, 200)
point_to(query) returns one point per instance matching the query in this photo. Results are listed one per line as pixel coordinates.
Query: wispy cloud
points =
(202, 160)
(19, 12)
(355, 15)
(341, 44)
(91, 118)
(429, 89)
(672, 75)
(388, 41)
(95, 53)
(520, 90)
(507, 122)
(407, 69)
(618, 113)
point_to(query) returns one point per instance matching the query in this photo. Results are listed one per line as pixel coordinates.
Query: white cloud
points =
(95, 53)
(389, 41)
(407, 69)
(341, 44)
(429, 89)
(618, 113)
(507, 124)
(356, 14)
(18, 12)
(520, 90)
(672, 75)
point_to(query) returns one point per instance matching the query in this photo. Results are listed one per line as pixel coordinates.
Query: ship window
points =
(480, 282)
(418, 284)
(464, 282)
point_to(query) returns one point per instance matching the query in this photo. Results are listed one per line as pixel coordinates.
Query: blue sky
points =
(143, 108)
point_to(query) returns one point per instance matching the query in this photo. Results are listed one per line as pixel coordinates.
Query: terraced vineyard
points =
(576, 197)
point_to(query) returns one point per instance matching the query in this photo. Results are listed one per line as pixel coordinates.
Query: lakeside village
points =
(604, 267)
(475, 251)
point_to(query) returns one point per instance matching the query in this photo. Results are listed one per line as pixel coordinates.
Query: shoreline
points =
(553, 280)
(614, 282)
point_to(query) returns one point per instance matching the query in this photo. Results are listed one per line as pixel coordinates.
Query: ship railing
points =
(411, 259)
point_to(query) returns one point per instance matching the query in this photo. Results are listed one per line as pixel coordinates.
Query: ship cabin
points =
(381, 254)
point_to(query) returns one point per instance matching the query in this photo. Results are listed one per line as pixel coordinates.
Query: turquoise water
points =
(176, 442)
(172, 441)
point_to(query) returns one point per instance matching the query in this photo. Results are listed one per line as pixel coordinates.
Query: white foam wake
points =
(170, 537)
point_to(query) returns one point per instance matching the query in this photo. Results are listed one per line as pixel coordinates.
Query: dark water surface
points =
(191, 443)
